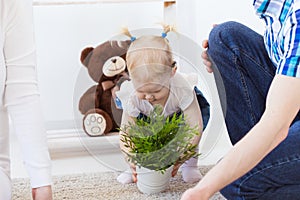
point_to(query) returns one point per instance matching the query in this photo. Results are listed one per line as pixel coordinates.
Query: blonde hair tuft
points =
(126, 32)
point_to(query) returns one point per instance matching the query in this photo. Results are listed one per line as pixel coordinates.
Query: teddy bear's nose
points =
(114, 60)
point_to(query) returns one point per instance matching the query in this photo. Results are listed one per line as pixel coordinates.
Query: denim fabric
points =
(203, 104)
(204, 107)
(243, 73)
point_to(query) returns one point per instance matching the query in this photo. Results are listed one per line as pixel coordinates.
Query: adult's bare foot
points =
(42, 193)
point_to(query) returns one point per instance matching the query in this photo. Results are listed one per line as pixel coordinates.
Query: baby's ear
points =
(174, 69)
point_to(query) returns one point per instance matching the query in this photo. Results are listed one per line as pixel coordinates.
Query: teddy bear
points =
(106, 65)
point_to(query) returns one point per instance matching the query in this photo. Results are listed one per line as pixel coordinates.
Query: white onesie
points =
(180, 96)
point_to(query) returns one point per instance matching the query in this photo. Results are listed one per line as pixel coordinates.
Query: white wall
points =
(196, 18)
(62, 32)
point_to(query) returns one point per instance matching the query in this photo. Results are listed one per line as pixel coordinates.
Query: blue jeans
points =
(243, 73)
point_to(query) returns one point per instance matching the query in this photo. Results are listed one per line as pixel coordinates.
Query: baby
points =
(154, 80)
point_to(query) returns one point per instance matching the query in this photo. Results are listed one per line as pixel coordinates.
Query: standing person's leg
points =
(5, 183)
(28, 123)
(21, 91)
(243, 66)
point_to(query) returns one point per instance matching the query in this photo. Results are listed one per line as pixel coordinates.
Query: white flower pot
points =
(151, 181)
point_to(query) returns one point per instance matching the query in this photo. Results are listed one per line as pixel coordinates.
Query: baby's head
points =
(150, 58)
(150, 65)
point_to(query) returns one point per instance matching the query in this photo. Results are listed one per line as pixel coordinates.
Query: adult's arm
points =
(282, 105)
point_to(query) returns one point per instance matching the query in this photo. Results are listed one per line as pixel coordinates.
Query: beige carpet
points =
(102, 186)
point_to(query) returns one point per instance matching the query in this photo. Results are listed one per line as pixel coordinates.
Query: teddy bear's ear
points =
(124, 44)
(120, 48)
(85, 55)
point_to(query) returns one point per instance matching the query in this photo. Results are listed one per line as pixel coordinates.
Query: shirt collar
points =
(261, 6)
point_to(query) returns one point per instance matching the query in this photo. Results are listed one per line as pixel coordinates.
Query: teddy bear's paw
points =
(94, 124)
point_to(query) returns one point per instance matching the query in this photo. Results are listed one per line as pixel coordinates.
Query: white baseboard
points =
(72, 142)
(65, 141)
(61, 125)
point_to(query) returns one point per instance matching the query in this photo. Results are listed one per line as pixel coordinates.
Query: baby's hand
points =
(175, 169)
(134, 174)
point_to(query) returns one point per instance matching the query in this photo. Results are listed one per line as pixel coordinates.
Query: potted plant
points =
(155, 144)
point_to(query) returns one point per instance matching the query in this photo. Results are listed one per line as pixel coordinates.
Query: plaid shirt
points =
(282, 35)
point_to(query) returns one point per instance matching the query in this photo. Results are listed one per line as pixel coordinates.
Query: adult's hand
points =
(193, 194)
(207, 62)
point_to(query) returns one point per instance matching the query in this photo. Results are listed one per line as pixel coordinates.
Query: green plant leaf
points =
(157, 142)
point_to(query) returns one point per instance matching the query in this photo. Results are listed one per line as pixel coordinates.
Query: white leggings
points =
(5, 185)
(28, 124)
(19, 96)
